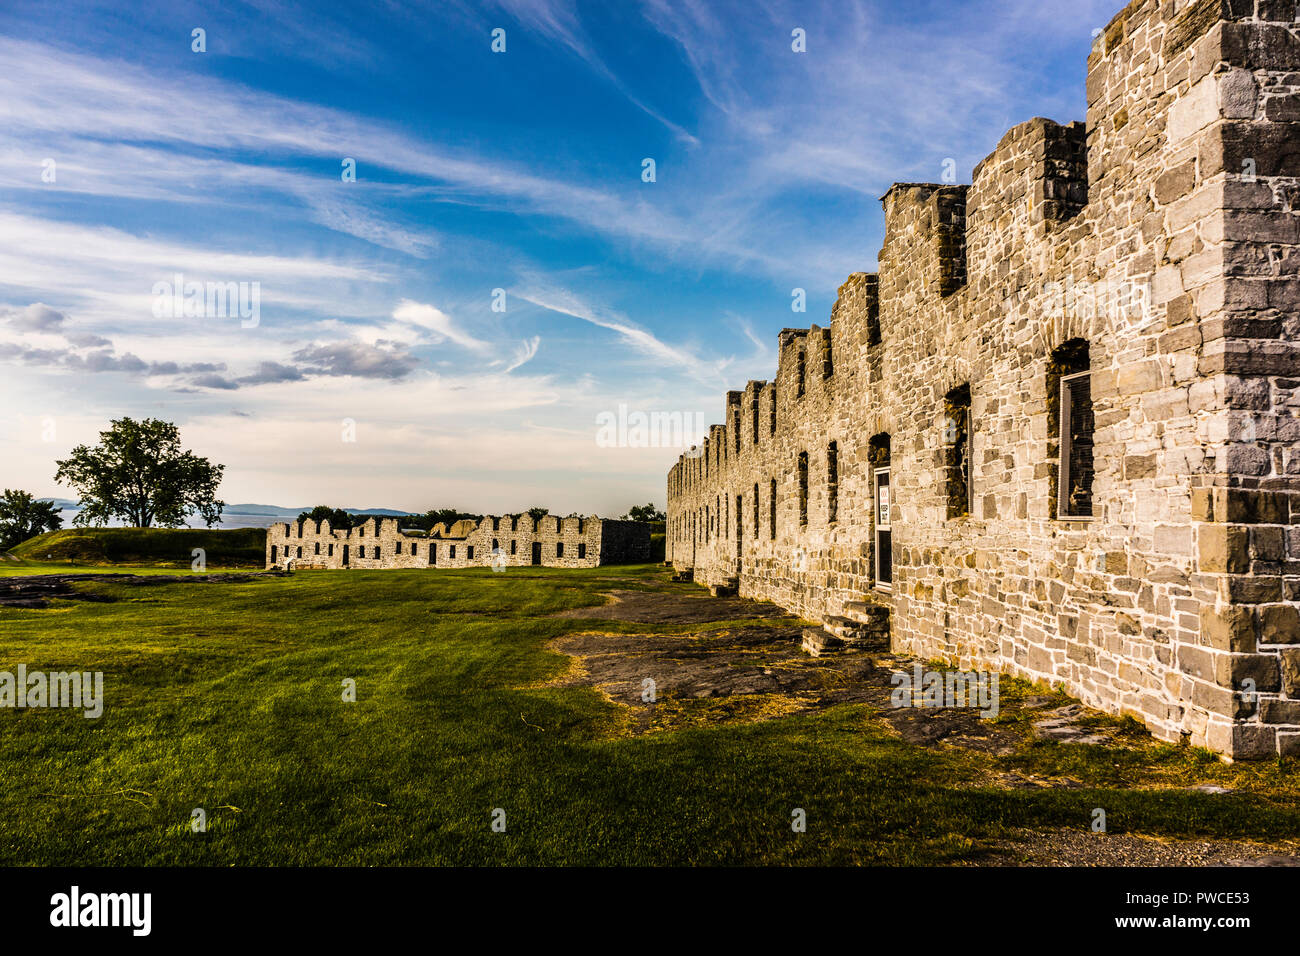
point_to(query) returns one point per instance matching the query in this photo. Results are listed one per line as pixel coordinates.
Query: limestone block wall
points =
(1157, 244)
(549, 541)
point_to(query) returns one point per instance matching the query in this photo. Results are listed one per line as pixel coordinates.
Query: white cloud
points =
(524, 353)
(116, 268)
(430, 319)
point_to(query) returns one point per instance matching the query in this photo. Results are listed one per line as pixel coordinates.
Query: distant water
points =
(227, 520)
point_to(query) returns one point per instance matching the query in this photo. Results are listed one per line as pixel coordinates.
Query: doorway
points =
(537, 552)
(884, 535)
(740, 530)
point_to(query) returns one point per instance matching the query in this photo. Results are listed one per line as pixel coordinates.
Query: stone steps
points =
(871, 622)
(684, 577)
(846, 629)
(817, 642)
(864, 625)
(856, 634)
(866, 611)
(729, 588)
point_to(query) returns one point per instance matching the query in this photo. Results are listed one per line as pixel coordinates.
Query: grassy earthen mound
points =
(172, 547)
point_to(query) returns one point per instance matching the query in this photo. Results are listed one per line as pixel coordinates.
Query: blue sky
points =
(475, 171)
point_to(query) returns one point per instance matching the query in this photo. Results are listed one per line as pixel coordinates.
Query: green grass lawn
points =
(228, 697)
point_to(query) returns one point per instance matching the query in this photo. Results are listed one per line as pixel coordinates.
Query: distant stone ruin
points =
(1058, 433)
(502, 542)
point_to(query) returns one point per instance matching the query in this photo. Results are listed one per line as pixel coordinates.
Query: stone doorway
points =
(740, 525)
(884, 532)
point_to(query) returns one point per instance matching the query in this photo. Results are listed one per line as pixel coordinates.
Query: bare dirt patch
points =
(1073, 848)
(758, 672)
(752, 671)
(676, 607)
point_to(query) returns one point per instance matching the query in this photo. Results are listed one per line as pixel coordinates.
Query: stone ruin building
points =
(1057, 433)
(507, 541)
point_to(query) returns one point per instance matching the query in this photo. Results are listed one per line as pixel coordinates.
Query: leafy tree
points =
(646, 512)
(23, 517)
(138, 473)
(339, 519)
(447, 516)
(537, 514)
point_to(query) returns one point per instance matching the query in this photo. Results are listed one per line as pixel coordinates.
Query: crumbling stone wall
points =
(1159, 245)
(550, 541)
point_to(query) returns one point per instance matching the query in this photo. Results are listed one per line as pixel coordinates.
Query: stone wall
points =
(549, 541)
(1158, 245)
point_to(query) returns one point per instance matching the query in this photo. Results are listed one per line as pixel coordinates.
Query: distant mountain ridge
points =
(256, 509)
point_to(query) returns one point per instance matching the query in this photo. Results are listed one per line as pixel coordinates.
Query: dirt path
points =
(677, 607)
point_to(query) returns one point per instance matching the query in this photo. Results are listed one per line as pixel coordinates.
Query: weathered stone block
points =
(1173, 540)
(1272, 711)
(1289, 661)
(1139, 466)
(1279, 624)
(1267, 543)
(1222, 700)
(1228, 629)
(1260, 46)
(1198, 663)
(1264, 149)
(1250, 506)
(1223, 548)
(1237, 94)
(1203, 504)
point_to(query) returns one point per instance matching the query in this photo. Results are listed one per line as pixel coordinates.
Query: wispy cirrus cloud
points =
(524, 353)
(113, 267)
(877, 97)
(171, 126)
(56, 93)
(644, 343)
(560, 21)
